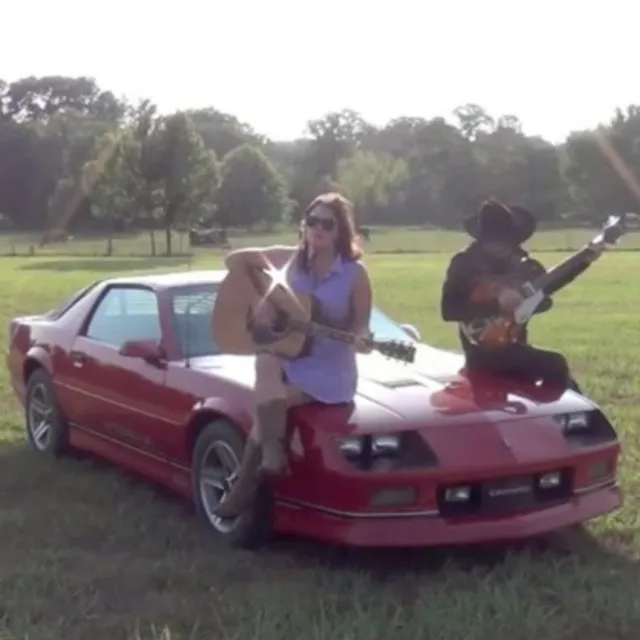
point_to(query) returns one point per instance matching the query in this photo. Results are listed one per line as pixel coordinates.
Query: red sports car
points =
(127, 369)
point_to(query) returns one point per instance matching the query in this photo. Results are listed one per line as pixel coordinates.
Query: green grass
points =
(88, 552)
(383, 240)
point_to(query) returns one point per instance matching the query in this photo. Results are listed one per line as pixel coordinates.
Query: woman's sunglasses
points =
(327, 224)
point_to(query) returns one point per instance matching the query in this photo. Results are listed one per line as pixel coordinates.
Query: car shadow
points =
(27, 481)
(383, 563)
(111, 265)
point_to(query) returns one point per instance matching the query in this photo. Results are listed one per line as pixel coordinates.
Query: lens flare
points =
(278, 279)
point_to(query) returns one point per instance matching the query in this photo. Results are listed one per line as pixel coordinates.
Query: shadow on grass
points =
(107, 265)
(384, 564)
(27, 481)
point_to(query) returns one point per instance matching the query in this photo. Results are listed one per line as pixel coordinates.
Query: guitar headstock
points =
(396, 350)
(612, 230)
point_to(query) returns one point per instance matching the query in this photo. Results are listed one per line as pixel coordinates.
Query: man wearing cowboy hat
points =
(498, 231)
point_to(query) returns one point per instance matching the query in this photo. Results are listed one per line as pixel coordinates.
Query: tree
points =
(104, 180)
(473, 119)
(142, 170)
(597, 185)
(34, 99)
(188, 172)
(251, 190)
(443, 182)
(371, 181)
(55, 129)
(222, 132)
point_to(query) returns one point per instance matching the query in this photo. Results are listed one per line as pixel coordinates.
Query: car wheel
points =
(216, 458)
(47, 430)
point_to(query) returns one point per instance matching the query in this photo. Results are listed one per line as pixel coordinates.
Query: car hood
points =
(429, 392)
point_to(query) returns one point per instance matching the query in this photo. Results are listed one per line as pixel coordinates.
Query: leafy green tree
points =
(141, 159)
(188, 173)
(371, 181)
(54, 130)
(223, 132)
(104, 180)
(251, 190)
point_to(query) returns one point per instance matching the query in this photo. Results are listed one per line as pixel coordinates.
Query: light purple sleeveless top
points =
(329, 373)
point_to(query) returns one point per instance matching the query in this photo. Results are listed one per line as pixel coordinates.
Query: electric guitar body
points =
(503, 328)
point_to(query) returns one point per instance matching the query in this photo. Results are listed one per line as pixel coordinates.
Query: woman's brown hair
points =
(347, 243)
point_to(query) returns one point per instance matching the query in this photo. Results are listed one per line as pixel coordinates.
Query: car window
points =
(123, 314)
(192, 310)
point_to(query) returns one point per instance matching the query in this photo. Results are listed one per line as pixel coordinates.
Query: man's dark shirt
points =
(471, 264)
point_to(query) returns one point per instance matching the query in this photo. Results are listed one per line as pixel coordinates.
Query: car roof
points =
(170, 280)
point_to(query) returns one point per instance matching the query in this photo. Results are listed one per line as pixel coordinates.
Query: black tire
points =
(253, 528)
(40, 390)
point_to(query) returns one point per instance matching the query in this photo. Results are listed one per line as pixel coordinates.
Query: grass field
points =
(87, 552)
(383, 240)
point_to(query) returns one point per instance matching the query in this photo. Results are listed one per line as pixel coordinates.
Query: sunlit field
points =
(383, 240)
(89, 552)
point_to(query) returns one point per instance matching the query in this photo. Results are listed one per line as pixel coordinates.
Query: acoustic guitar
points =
(504, 328)
(298, 321)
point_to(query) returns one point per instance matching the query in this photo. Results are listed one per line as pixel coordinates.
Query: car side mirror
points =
(148, 350)
(411, 331)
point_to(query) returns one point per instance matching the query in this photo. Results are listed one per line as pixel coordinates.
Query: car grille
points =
(505, 496)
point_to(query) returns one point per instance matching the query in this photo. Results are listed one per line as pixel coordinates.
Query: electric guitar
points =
(503, 329)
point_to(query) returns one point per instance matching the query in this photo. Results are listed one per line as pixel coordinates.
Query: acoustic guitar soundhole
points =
(281, 322)
(263, 334)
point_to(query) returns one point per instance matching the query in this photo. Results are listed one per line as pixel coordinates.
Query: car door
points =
(120, 394)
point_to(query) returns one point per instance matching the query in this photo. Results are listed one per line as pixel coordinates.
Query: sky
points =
(559, 65)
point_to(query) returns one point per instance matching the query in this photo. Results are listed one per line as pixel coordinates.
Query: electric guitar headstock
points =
(612, 230)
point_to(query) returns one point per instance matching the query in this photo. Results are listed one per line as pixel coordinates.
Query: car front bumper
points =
(430, 529)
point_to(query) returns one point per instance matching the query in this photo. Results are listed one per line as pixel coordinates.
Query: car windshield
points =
(192, 308)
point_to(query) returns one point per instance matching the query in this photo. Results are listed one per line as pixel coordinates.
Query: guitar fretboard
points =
(610, 234)
(559, 271)
(324, 331)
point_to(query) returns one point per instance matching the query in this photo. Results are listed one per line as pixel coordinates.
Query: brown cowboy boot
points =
(244, 487)
(272, 418)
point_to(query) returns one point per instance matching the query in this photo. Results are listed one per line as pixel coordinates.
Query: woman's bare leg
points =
(265, 450)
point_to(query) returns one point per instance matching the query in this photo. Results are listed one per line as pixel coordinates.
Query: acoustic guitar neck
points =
(323, 331)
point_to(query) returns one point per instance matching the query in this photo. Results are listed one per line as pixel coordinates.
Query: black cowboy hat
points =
(496, 221)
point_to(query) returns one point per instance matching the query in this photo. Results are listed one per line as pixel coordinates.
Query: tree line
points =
(74, 156)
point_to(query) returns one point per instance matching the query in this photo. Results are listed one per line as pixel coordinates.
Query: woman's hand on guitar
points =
(509, 299)
(361, 345)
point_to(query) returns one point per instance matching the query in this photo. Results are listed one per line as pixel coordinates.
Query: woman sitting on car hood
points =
(326, 264)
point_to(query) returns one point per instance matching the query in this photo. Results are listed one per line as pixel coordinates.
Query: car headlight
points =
(573, 422)
(379, 445)
(384, 452)
(586, 428)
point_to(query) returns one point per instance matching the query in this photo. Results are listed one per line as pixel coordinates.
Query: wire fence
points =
(381, 240)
